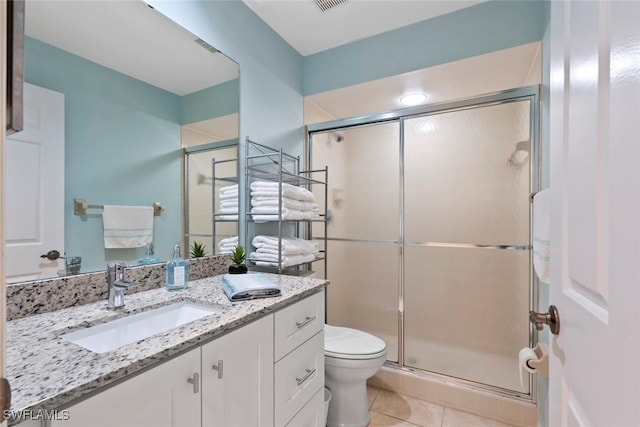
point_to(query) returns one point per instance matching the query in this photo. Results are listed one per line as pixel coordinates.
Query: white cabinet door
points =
(237, 377)
(160, 397)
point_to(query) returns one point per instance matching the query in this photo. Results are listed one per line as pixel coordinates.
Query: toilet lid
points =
(347, 343)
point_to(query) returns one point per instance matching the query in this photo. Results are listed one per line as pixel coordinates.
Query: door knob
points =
(52, 255)
(551, 318)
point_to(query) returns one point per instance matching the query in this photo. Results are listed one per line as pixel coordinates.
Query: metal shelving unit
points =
(269, 164)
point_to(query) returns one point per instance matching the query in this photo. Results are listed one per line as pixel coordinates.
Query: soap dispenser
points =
(149, 258)
(177, 271)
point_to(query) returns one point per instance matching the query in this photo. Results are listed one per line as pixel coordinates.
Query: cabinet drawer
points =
(312, 415)
(298, 377)
(297, 323)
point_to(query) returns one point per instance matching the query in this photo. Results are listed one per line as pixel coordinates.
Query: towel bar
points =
(80, 207)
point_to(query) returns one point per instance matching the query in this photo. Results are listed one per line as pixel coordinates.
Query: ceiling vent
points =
(206, 45)
(325, 5)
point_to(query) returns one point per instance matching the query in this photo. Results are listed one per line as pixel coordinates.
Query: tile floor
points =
(389, 409)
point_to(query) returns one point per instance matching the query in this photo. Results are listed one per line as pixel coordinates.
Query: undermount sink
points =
(116, 333)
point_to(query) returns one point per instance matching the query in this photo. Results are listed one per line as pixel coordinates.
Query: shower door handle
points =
(551, 318)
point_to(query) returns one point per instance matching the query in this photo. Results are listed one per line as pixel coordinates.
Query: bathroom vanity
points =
(258, 362)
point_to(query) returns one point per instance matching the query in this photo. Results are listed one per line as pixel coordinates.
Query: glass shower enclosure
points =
(430, 233)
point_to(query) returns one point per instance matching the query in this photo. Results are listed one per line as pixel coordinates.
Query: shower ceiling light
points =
(412, 99)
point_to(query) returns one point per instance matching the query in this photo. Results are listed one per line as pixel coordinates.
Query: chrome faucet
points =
(117, 284)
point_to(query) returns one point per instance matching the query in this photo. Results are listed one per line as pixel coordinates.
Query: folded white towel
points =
(286, 203)
(228, 210)
(268, 188)
(541, 246)
(288, 245)
(229, 189)
(127, 226)
(271, 213)
(228, 196)
(228, 217)
(233, 203)
(226, 240)
(269, 260)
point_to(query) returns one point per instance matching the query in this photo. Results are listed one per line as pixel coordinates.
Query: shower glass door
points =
(467, 239)
(363, 227)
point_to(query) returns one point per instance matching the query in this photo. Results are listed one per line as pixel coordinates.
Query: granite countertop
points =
(47, 372)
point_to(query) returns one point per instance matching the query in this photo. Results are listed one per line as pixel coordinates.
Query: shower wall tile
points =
(487, 405)
(504, 410)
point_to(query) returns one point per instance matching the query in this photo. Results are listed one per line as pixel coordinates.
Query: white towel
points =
(228, 210)
(229, 203)
(269, 188)
(229, 196)
(269, 260)
(286, 203)
(127, 226)
(228, 240)
(541, 220)
(228, 217)
(271, 213)
(289, 245)
(229, 189)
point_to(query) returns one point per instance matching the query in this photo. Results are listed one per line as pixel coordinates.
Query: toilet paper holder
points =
(551, 318)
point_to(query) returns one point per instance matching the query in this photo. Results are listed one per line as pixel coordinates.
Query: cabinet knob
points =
(219, 367)
(195, 381)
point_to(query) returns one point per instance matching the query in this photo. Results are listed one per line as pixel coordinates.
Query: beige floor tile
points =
(372, 393)
(453, 418)
(380, 420)
(407, 408)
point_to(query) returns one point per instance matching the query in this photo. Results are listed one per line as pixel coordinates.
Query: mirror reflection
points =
(113, 92)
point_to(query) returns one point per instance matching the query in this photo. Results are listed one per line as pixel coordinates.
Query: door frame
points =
(530, 93)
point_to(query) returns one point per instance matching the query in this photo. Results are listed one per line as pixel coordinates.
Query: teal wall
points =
(215, 101)
(271, 102)
(122, 146)
(476, 30)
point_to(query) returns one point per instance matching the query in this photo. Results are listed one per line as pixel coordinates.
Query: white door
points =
(34, 188)
(595, 228)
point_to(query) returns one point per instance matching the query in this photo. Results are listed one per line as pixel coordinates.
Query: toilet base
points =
(349, 404)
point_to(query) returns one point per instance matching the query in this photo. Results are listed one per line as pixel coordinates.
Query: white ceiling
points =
(309, 30)
(130, 37)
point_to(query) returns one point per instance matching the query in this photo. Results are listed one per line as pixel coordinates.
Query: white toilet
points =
(350, 357)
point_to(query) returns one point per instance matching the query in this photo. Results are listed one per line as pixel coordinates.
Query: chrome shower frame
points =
(529, 93)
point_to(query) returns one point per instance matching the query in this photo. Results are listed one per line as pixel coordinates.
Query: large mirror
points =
(111, 90)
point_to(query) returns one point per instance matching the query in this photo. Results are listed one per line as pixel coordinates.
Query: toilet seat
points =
(352, 344)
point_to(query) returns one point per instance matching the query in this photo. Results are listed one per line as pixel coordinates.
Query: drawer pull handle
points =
(219, 367)
(306, 377)
(195, 381)
(305, 322)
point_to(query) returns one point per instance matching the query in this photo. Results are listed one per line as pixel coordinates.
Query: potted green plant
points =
(238, 258)
(197, 250)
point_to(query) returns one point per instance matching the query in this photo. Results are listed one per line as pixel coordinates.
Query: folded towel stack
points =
(240, 287)
(291, 250)
(228, 202)
(227, 246)
(297, 203)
